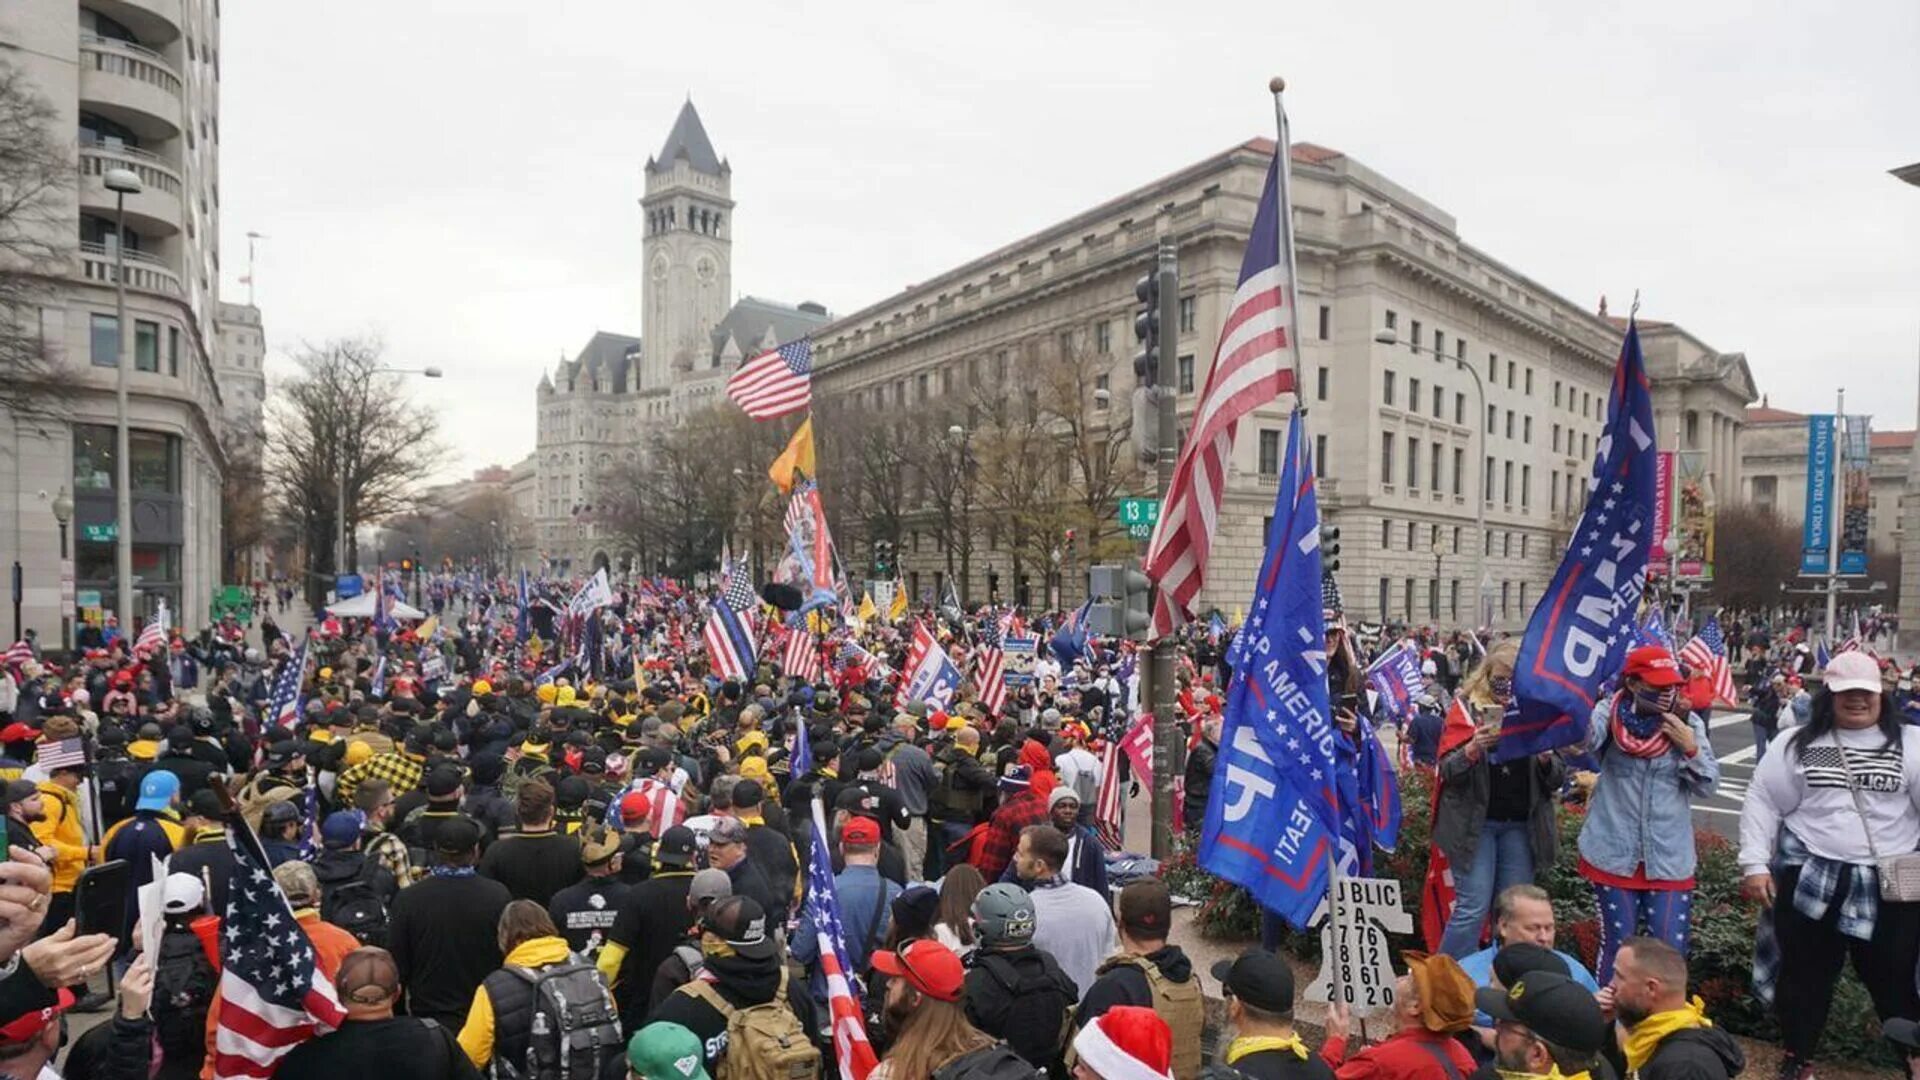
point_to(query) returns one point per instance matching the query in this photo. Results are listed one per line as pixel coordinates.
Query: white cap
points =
(1852, 670)
(184, 893)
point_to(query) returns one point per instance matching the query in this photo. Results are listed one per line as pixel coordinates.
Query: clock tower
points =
(687, 252)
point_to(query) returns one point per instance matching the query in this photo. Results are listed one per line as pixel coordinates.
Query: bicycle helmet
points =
(1003, 915)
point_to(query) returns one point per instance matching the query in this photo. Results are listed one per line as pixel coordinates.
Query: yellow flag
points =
(1239, 617)
(816, 622)
(867, 609)
(427, 628)
(899, 605)
(796, 458)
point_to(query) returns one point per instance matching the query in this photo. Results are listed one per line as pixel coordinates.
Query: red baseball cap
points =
(860, 830)
(633, 808)
(27, 1026)
(928, 967)
(1654, 665)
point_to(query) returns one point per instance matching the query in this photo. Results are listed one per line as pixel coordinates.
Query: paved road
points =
(1732, 737)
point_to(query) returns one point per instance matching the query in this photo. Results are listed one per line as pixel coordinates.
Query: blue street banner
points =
(1816, 526)
(1273, 811)
(1585, 623)
(1855, 494)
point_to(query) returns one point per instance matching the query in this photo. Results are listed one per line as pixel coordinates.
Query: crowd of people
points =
(513, 863)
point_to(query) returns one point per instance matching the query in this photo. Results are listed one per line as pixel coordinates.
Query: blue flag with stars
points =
(1274, 808)
(1584, 624)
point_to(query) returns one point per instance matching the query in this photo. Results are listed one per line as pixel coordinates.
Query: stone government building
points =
(1404, 441)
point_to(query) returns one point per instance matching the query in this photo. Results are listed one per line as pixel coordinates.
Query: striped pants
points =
(1666, 914)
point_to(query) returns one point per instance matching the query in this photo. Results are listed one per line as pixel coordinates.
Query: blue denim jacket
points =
(1639, 811)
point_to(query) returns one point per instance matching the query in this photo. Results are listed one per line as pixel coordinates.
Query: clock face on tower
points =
(705, 268)
(660, 267)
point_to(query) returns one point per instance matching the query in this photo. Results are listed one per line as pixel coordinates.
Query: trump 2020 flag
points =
(930, 676)
(1273, 812)
(822, 909)
(1396, 678)
(1584, 625)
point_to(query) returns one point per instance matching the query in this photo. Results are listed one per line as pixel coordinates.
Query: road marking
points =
(1728, 720)
(1735, 757)
(1717, 810)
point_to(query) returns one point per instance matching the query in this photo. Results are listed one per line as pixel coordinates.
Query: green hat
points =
(663, 1051)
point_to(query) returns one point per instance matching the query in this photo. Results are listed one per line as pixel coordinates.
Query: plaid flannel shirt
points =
(1003, 832)
(388, 850)
(1819, 884)
(400, 771)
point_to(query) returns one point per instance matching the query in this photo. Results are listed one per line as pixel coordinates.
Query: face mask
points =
(1501, 685)
(1649, 702)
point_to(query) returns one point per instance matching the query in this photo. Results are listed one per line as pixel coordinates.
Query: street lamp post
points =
(965, 492)
(1386, 336)
(340, 566)
(63, 513)
(122, 182)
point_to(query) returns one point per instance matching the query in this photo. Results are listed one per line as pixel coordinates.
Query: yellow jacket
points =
(60, 830)
(476, 1035)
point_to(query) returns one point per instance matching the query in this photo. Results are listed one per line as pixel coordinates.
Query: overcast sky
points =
(461, 178)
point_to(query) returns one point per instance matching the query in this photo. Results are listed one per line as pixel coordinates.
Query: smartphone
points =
(1492, 715)
(100, 899)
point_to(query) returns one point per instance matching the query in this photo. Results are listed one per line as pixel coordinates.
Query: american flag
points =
(19, 653)
(729, 638)
(274, 995)
(800, 755)
(62, 754)
(851, 1047)
(1253, 363)
(1109, 809)
(775, 383)
(378, 683)
(801, 657)
(989, 667)
(1706, 652)
(664, 806)
(738, 591)
(283, 705)
(153, 636)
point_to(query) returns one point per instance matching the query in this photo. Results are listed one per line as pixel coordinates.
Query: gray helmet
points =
(1003, 915)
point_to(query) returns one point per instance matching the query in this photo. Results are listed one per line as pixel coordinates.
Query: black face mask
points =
(1653, 702)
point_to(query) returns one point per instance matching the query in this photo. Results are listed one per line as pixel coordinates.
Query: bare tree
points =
(473, 530)
(344, 426)
(1754, 553)
(243, 517)
(36, 175)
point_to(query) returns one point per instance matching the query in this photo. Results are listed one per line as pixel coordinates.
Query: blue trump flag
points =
(1396, 677)
(520, 626)
(1274, 808)
(1580, 632)
(1070, 644)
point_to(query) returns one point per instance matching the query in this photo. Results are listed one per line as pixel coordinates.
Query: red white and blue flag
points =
(283, 704)
(1254, 363)
(800, 658)
(1706, 653)
(930, 675)
(273, 993)
(775, 383)
(1396, 677)
(990, 666)
(729, 638)
(1580, 632)
(822, 910)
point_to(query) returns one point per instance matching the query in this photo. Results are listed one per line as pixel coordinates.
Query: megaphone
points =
(784, 597)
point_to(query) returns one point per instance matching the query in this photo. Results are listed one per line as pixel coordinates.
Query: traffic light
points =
(882, 558)
(1122, 602)
(1146, 328)
(406, 566)
(1329, 548)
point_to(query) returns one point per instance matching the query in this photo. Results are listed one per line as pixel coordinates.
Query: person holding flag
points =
(1636, 846)
(1492, 823)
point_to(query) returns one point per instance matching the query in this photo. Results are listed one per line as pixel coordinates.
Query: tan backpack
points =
(764, 1041)
(1181, 1005)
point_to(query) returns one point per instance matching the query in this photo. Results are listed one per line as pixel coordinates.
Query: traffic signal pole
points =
(1169, 751)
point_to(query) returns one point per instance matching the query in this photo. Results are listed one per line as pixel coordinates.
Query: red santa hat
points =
(1127, 1042)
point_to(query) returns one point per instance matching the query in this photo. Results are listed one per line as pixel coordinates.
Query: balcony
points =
(155, 211)
(130, 84)
(145, 272)
(156, 22)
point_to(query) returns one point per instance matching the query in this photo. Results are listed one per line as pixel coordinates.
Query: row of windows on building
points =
(104, 345)
(1510, 604)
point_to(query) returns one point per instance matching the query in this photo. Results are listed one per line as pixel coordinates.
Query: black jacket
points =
(1199, 777)
(653, 919)
(401, 1046)
(1125, 984)
(335, 868)
(585, 912)
(750, 880)
(770, 849)
(486, 805)
(443, 933)
(1021, 995)
(742, 983)
(1695, 1054)
(208, 858)
(194, 773)
(534, 865)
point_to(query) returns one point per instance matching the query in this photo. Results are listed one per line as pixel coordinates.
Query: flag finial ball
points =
(1276, 84)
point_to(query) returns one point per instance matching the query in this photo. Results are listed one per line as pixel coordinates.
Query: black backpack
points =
(183, 984)
(1030, 1007)
(576, 1026)
(996, 1062)
(354, 906)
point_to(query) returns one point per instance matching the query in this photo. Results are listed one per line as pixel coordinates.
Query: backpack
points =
(996, 1062)
(1033, 1010)
(691, 956)
(576, 1026)
(183, 984)
(353, 906)
(1086, 790)
(1181, 1005)
(764, 1041)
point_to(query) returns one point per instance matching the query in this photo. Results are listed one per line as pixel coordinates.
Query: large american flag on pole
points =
(800, 658)
(989, 667)
(729, 632)
(850, 1046)
(775, 383)
(1706, 652)
(273, 993)
(283, 704)
(1254, 362)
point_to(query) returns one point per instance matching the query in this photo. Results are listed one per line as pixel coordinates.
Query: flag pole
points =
(1283, 150)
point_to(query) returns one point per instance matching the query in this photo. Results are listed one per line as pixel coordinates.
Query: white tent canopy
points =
(361, 607)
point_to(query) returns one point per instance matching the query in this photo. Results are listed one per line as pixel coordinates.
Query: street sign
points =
(1021, 649)
(100, 534)
(1355, 952)
(66, 584)
(1139, 512)
(1140, 530)
(882, 593)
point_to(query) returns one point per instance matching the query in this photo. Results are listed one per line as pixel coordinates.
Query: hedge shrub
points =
(1720, 959)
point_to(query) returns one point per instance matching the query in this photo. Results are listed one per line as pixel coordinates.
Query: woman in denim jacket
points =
(1636, 846)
